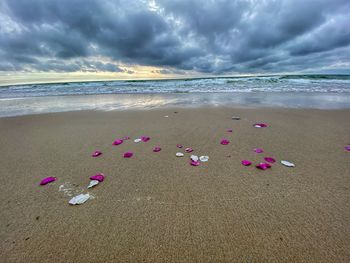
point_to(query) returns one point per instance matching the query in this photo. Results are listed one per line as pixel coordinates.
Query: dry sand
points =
(155, 207)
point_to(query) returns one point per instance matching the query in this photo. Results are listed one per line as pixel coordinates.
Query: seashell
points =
(188, 150)
(157, 149)
(269, 159)
(258, 150)
(117, 142)
(93, 183)
(263, 166)
(194, 163)
(179, 154)
(224, 142)
(236, 118)
(137, 140)
(128, 154)
(96, 153)
(79, 199)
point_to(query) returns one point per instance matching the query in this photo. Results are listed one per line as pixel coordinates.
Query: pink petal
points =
(194, 163)
(128, 154)
(117, 142)
(188, 150)
(179, 146)
(48, 180)
(258, 150)
(263, 166)
(145, 138)
(224, 142)
(229, 130)
(246, 162)
(260, 125)
(157, 149)
(126, 138)
(269, 159)
(99, 177)
(347, 148)
(96, 153)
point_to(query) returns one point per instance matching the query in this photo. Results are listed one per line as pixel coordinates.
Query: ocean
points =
(295, 91)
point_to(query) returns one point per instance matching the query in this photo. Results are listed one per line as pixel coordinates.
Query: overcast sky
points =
(174, 37)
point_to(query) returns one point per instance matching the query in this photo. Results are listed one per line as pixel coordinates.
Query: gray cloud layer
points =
(213, 36)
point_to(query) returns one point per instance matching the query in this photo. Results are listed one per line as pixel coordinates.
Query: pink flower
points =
(117, 142)
(47, 180)
(96, 153)
(145, 138)
(263, 166)
(99, 177)
(246, 162)
(194, 163)
(128, 154)
(157, 149)
(224, 142)
(188, 150)
(258, 150)
(179, 146)
(269, 159)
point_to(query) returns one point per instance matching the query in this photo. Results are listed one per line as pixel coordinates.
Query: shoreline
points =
(124, 102)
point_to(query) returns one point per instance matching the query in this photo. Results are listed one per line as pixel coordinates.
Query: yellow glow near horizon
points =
(139, 72)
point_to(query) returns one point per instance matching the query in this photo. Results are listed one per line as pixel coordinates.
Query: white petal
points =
(286, 163)
(204, 158)
(194, 158)
(137, 140)
(179, 154)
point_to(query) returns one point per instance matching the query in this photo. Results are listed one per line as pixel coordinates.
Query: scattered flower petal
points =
(126, 138)
(179, 154)
(179, 146)
(260, 125)
(157, 149)
(188, 150)
(145, 138)
(128, 154)
(117, 142)
(263, 166)
(288, 164)
(204, 158)
(47, 180)
(236, 118)
(194, 163)
(229, 130)
(347, 148)
(99, 177)
(224, 142)
(269, 159)
(93, 183)
(79, 199)
(137, 140)
(194, 158)
(258, 150)
(246, 162)
(96, 153)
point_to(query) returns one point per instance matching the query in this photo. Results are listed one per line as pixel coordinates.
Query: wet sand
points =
(155, 207)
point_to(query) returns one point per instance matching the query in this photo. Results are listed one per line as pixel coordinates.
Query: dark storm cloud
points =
(216, 37)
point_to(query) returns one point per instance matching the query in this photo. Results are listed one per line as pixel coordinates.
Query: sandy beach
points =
(155, 207)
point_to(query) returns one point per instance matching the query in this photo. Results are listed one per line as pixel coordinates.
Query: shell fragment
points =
(179, 154)
(79, 199)
(93, 183)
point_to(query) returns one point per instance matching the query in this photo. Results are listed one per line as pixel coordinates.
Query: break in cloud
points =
(176, 36)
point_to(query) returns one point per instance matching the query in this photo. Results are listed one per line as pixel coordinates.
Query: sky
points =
(49, 40)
